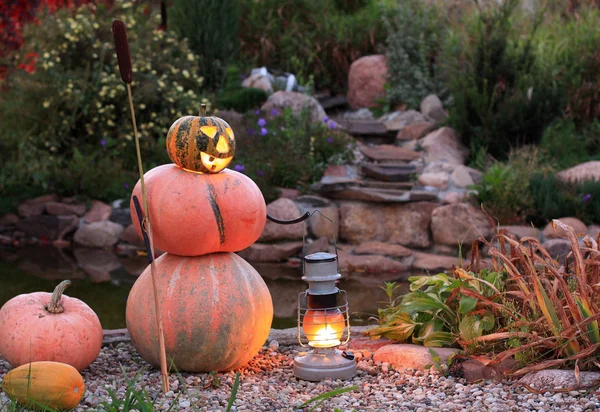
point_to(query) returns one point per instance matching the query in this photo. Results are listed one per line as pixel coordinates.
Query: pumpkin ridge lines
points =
(212, 198)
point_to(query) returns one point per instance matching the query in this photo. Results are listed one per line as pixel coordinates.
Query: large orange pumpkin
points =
(52, 384)
(44, 326)
(216, 312)
(194, 214)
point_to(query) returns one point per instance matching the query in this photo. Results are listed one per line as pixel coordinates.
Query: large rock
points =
(57, 208)
(366, 80)
(261, 252)
(459, 223)
(130, 235)
(9, 219)
(48, 227)
(35, 206)
(97, 263)
(318, 225)
(99, 212)
(415, 131)
(522, 231)
(405, 356)
(369, 264)
(557, 248)
(297, 101)
(283, 209)
(404, 224)
(581, 172)
(438, 180)
(433, 109)
(434, 263)
(98, 234)
(396, 121)
(380, 248)
(258, 81)
(444, 144)
(121, 216)
(464, 176)
(550, 379)
(578, 226)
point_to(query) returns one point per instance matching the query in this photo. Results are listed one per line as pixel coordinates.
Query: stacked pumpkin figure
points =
(216, 309)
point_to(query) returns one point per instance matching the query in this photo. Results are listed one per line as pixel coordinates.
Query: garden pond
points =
(105, 283)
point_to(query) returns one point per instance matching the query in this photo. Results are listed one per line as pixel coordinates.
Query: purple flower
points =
(260, 172)
(330, 139)
(332, 125)
(250, 131)
(126, 185)
(325, 119)
(257, 112)
(239, 168)
(103, 142)
(263, 131)
(262, 122)
(586, 198)
(274, 112)
(243, 76)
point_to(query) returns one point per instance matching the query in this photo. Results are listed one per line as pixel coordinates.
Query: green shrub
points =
(414, 33)
(288, 150)
(307, 37)
(502, 99)
(505, 187)
(67, 127)
(554, 199)
(212, 30)
(238, 98)
(568, 145)
(567, 48)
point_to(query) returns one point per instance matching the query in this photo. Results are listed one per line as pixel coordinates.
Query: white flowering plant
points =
(65, 117)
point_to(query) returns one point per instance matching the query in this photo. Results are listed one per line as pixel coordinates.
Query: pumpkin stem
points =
(54, 306)
(203, 110)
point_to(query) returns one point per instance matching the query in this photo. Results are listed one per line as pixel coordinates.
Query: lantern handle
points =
(304, 231)
(289, 222)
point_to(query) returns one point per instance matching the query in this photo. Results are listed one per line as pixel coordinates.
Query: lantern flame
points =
(324, 328)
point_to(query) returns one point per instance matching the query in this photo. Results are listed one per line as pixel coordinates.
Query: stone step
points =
(389, 173)
(366, 128)
(330, 102)
(371, 191)
(388, 152)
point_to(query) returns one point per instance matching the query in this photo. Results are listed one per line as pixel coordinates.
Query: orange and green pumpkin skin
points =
(216, 312)
(29, 333)
(53, 384)
(194, 214)
(201, 144)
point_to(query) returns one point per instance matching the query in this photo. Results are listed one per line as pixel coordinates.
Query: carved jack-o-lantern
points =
(201, 144)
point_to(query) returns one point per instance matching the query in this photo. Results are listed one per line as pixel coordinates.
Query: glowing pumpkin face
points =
(201, 144)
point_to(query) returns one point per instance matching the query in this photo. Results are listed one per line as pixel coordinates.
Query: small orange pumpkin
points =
(201, 144)
(52, 384)
(44, 326)
(216, 312)
(194, 214)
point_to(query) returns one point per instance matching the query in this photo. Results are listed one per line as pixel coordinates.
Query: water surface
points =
(105, 283)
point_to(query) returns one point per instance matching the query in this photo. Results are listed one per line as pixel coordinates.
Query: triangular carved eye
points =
(222, 145)
(210, 131)
(230, 132)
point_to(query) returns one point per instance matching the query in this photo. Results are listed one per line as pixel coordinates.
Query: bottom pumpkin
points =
(52, 384)
(216, 312)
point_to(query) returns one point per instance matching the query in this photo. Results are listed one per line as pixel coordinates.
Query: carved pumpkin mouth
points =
(213, 164)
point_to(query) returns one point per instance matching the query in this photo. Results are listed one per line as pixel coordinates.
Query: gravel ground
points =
(268, 384)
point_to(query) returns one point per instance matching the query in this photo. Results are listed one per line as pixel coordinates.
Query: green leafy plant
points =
(238, 98)
(505, 189)
(567, 144)
(527, 306)
(414, 35)
(287, 150)
(212, 30)
(66, 125)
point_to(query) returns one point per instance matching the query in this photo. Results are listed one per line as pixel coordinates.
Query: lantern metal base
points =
(322, 364)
